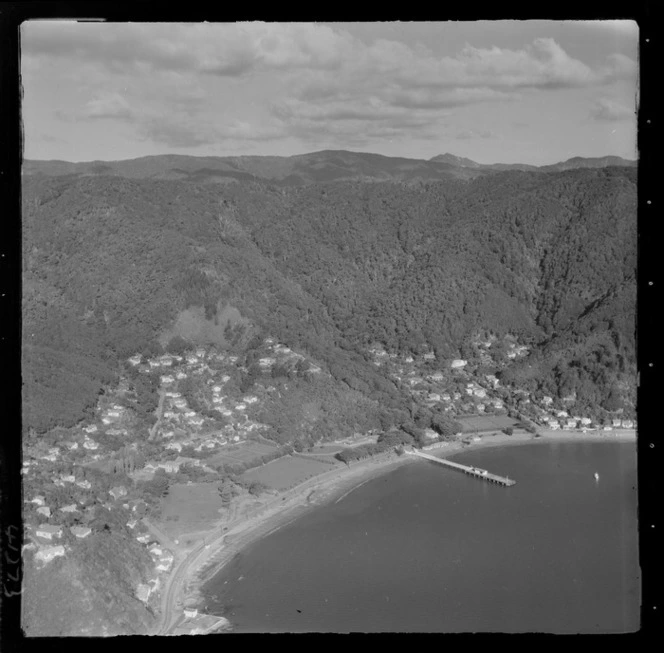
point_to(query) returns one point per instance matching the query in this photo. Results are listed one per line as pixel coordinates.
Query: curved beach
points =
(220, 547)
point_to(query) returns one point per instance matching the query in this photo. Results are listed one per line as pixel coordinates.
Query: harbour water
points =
(427, 549)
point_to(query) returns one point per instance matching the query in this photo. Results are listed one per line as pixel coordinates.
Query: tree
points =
(226, 492)
(177, 345)
(508, 431)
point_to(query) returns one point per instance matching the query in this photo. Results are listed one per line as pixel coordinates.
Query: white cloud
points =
(609, 110)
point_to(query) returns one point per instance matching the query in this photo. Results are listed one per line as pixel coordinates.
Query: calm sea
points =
(427, 549)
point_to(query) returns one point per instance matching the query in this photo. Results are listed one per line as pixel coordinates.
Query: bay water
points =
(427, 549)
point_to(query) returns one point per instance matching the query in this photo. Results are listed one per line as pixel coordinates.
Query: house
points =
(44, 510)
(80, 532)
(266, 362)
(225, 378)
(132, 523)
(409, 359)
(92, 428)
(143, 592)
(190, 613)
(135, 360)
(117, 492)
(240, 407)
(189, 414)
(607, 428)
(113, 413)
(191, 359)
(177, 446)
(585, 421)
(227, 412)
(91, 445)
(180, 402)
(143, 539)
(167, 379)
(47, 553)
(69, 508)
(479, 392)
(438, 376)
(480, 408)
(38, 500)
(218, 400)
(153, 363)
(155, 550)
(571, 423)
(627, 424)
(554, 425)
(616, 423)
(458, 363)
(166, 361)
(562, 413)
(196, 421)
(86, 485)
(200, 352)
(48, 531)
(180, 375)
(429, 356)
(250, 399)
(446, 397)
(217, 388)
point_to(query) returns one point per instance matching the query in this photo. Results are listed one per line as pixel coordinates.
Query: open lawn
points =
(285, 472)
(474, 423)
(326, 449)
(240, 453)
(189, 508)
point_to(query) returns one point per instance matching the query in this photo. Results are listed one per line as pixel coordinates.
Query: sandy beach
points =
(220, 547)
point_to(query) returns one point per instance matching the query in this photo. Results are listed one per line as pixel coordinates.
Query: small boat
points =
(596, 476)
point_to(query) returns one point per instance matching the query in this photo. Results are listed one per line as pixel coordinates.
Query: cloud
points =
(606, 109)
(162, 79)
(470, 134)
(108, 105)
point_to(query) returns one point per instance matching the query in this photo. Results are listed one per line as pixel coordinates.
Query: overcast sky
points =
(532, 92)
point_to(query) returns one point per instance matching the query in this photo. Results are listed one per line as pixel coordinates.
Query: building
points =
(117, 492)
(616, 423)
(47, 553)
(44, 510)
(458, 363)
(135, 360)
(429, 356)
(627, 424)
(48, 531)
(585, 421)
(69, 508)
(80, 532)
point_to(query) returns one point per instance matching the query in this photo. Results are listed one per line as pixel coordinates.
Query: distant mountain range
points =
(316, 167)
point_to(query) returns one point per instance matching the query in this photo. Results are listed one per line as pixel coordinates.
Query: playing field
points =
(189, 508)
(285, 472)
(475, 423)
(240, 453)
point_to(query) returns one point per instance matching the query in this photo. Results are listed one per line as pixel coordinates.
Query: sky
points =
(533, 92)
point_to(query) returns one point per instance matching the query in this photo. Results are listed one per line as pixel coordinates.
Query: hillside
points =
(317, 167)
(111, 263)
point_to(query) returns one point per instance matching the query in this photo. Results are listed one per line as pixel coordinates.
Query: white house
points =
(167, 379)
(554, 425)
(135, 360)
(438, 376)
(48, 531)
(430, 356)
(92, 428)
(240, 407)
(627, 424)
(458, 363)
(266, 362)
(480, 392)
(81, 531)
(434, 396)
(44, 510)
(38, 500)
(249, 399)
(586, 421)
(409, 359)
(196, 421)
(180, 375)
(86, 485)
(47, 553)
(91, 445)
(616, 423)
(69, 508)
(200, 352)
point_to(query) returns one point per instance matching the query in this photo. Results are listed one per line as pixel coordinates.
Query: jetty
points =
(471, 471)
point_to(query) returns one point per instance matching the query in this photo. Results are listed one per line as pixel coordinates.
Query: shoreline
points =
(209, 559)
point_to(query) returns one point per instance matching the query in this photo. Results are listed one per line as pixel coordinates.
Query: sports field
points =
(286, 472)
(475, 423)
(240, 453)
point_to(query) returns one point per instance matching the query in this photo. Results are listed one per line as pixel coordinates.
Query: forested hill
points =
(111, 262)
(316, 167)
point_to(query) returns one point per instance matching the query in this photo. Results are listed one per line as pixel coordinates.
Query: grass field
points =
(474, 423)
(241, 453)
(189, 508)
(285, 472)
(327, 449)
